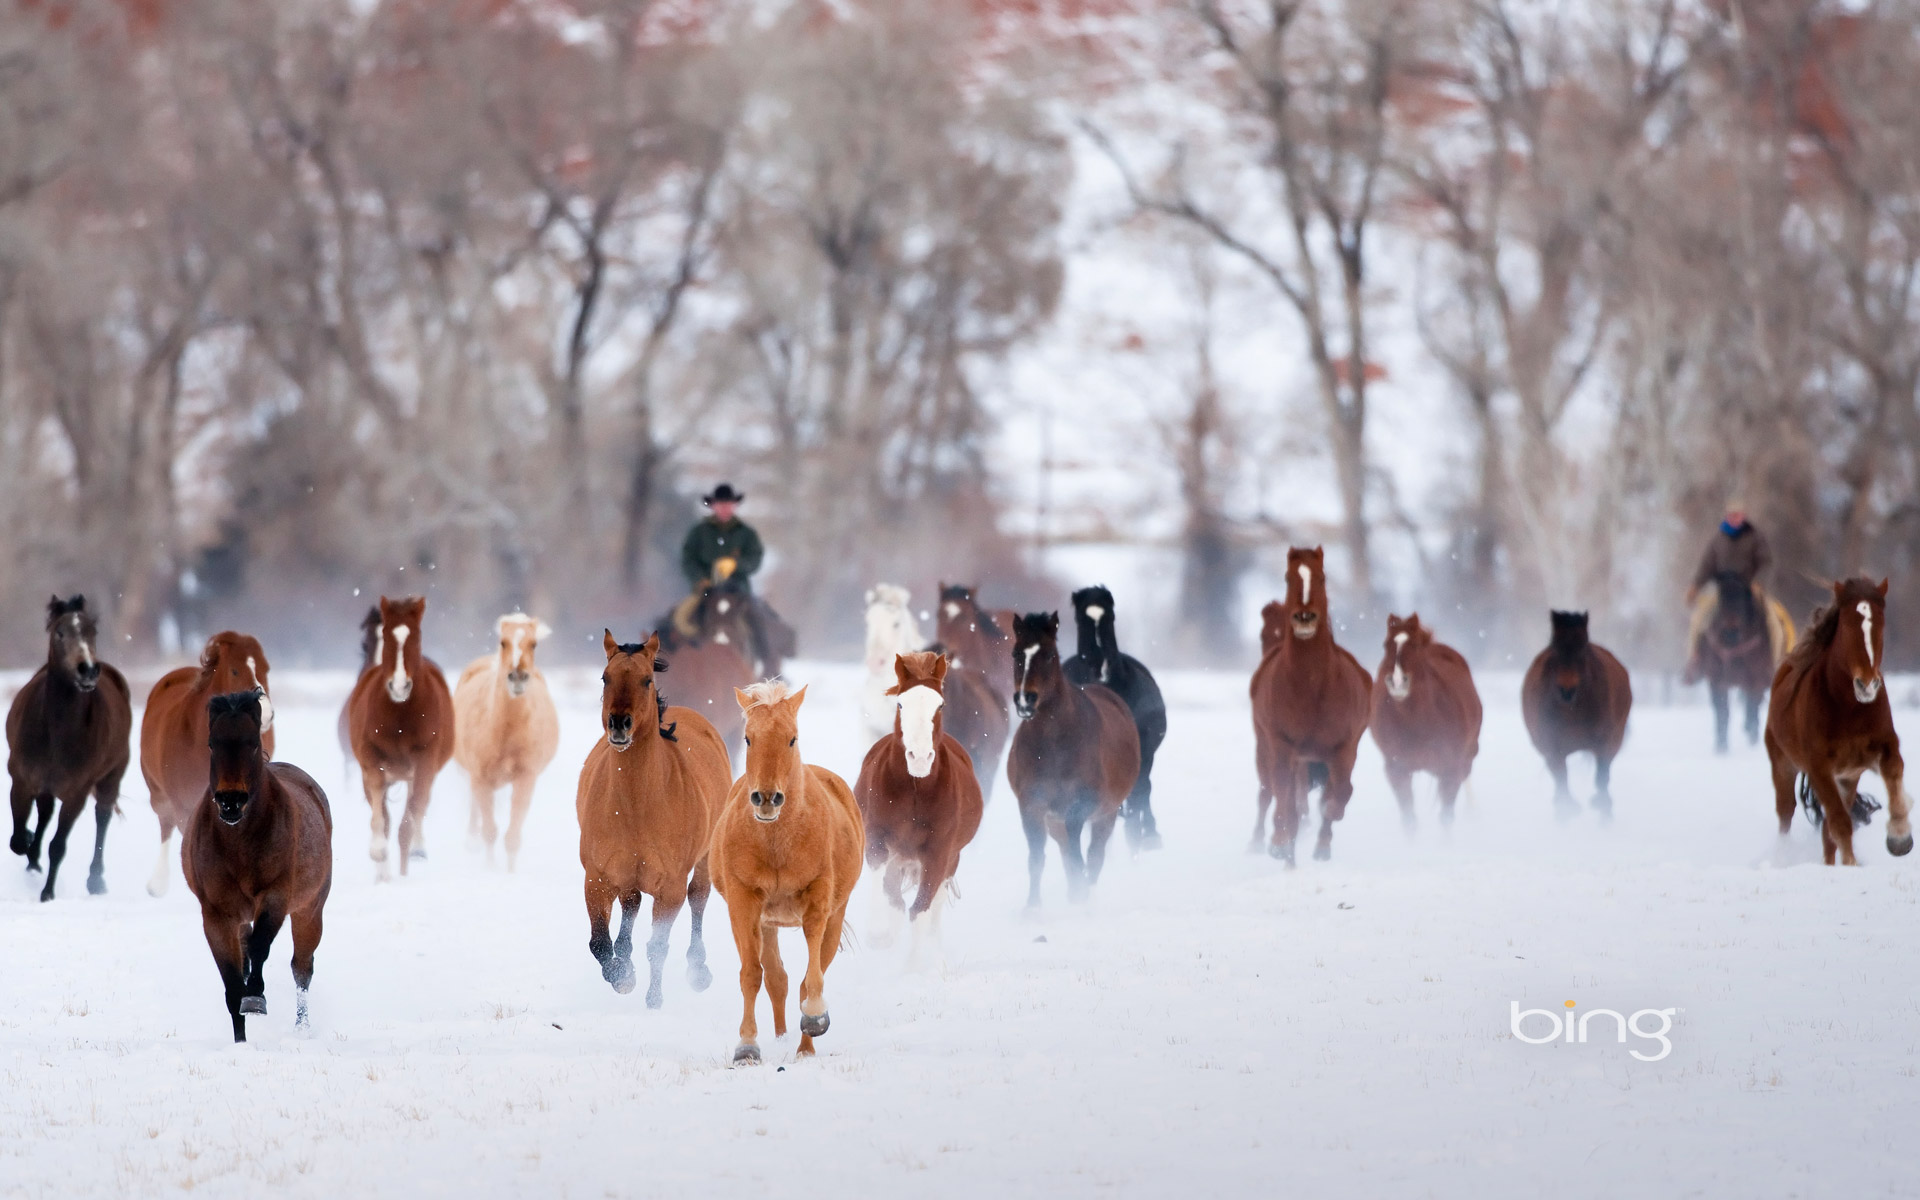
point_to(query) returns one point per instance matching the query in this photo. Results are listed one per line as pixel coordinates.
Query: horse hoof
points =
(417, 854)
(1152, 841)
(655, 998)
(698, 977)
(18, 843)
(813, 1026)
(622, 978)
(253, 1006)
(1283, 853)
(746, 1054)
(96, 886)
(46, 893)
(1322, 853)
(1900, 847)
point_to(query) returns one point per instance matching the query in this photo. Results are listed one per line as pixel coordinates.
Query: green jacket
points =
(708, 542)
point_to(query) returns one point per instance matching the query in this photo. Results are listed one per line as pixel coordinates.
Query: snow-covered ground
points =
(1209, 1023)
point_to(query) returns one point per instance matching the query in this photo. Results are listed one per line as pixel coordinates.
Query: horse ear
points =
(651, 647)
(542, 631)
(1883, 588)
(900, 680)
(1053, 622)
(794, 701)
(742, 699)
(612, 647)
(940, 668)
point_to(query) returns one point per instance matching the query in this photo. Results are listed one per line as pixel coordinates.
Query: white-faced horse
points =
(891, 631)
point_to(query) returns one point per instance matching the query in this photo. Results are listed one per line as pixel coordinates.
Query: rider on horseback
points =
(1739, 550)
(723, 548)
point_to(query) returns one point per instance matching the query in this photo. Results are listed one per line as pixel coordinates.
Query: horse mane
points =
(235, 704)
(920, 668)
(889, 593)
(57, 608)
(767, 692)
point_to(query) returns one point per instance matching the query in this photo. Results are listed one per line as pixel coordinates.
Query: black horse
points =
(1098, 660)
(69, 734)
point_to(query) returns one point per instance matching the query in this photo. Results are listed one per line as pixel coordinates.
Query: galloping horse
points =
(1311, 701)
(401, 721)
(67, 736)
(786, 852)
(918, 796)
(506, 729)
(1098, 660)
(258, 850)
(1741, 648)
(1575, 697)
(1074, 761)
(1426, 714)
(370, 638)
(717, 660)
(648, 796)
(1830, 722)
(974, 637)
(891, 631)
(976, 716)
(173, 733)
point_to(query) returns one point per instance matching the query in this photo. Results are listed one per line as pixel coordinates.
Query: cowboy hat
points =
(724, 494)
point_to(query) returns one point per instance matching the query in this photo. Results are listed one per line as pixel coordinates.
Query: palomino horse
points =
(1426, 714)
(401, 721)
(258, 850)
(918, 796)
(1098, 660)
(649, 793)
(717, 660)
(370, 638)
(505, 728)
(1830, 722)
(974, 637)
(1740, 648)
(1075, 758)
(173, 733)
(1311, 701)
(67, 736)
(891, 631)
(1576, 697)
(786, 852)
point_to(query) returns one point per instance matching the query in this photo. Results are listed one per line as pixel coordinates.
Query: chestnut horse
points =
(1576, 697)
(506, 729)
(173, 733)
(649, 792)
(67, 737)
(786, 852)
(1075, 758)
(401, 720)
(1098, 659)
(258, 850)
(1426, 714)
(1742, 646)
(891, 630)
(1830, 722)
(919, 799)
(1311, 701)
(717, 661)
(973, 637)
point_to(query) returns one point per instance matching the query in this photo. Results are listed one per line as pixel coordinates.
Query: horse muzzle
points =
(919, 765)
(620, 730)
(401, 692)
(1866, 691)
(766, 808)
(1399, 686)
(87, 676)
(232, 805)
(1305, 625)
(517, 683)
(1025, 704)
(1567, 694)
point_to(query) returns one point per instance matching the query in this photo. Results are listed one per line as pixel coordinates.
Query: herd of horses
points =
(662, 813)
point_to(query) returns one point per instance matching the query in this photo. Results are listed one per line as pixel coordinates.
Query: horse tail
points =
(849, 940)
(1864, 805)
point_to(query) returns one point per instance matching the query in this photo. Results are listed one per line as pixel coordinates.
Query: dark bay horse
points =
(173, 733)
(1426, 714)
(401, 722)
(716, 660)
(1740, 649)
(1576, 697)
(976, 717)
(1098, 659)
(1311, 702)
(1830, 722)
(258, 851)
(1074, 761)
(68, 736)
(973, 637)
(918, 796)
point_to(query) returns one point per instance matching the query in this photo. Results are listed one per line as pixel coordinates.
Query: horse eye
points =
(749, 741)
(603, 679)
(792, 740)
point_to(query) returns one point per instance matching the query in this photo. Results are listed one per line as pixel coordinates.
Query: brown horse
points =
(976, 717)
(786, 852)
(1311, 701)
(258, 850)
(1740, 648)
(370, 638)
(173, 733)
(401, 720)
(919, 799)
(1830, 722)
(506, 729)
(1426, 714)
(67, 737)
(1576, 697)
(717, 661)
(648, 795)
(974, 637)
(1075, 758)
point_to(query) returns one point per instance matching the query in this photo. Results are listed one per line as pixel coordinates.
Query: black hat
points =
(724, 494)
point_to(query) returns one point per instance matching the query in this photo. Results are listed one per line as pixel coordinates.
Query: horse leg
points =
(744, 916)
(1838, 826)
(630, 903)
(163, 870)
(926, 896)
(266, 927)
(1289, 794)
(666, 907)
(481, 828)
(1262, 802)
(43, 805)
(1449, 788)
(223, 938)
(1602, 776)
(1140, 803)
(884, 891)
(1333, 801)
(1718, 691)
(522, 800)
(1033, 821)
(776, 975)
(1400, 779)
(1563, 805)
(106, 801)
(698, 977)
(1753, 697)
(813, 984)
(600, 897)
(1899, 830)
(373, 781)
(57, 849)
(1783, 779)
(413, 821)
(306, 938)
(22, 806)
(1067, 833)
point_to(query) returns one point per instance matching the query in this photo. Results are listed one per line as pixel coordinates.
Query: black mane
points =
(58, 608)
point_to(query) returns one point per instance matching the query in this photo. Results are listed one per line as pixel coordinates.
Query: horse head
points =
(370, 638)
(237, 763)
(774, 768)
(629, 696)
(233, 662)
(725, 613)
(519, 634)
(400, 643)
(1860, 637)
(1567, 657)
(1093, 621)
(920, 684)
(891, 628)
(1306, 592)
(1407, 640)
(1036, 660)
(71, 631)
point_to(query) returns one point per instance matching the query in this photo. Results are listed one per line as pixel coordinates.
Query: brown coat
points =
(1747, 556)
